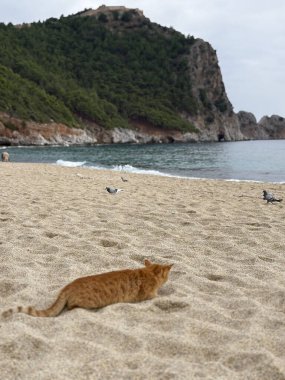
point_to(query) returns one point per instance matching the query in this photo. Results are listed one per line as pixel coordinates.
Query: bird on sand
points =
(269, 197)
(124, 179)
(113, 190)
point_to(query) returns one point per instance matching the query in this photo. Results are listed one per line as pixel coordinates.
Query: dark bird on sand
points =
(124, 179)
(269, 197)
(113, 190)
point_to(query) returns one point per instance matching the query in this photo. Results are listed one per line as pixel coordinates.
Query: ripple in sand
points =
(24, 347)
(109, 337)
(139, 258)
(166, 346)
(245, 361)
(245, 313)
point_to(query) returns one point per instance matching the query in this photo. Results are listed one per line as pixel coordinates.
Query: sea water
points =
(262, 160)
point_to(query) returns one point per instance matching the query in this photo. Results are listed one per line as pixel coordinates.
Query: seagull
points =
(269, 197)
(124, 179)
(113, 190)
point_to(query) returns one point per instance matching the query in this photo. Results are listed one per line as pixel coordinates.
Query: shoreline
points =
(246, 162)
(220, 315)
(168, 175)
(150, 172)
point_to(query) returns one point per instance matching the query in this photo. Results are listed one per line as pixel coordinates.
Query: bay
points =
(262, 160)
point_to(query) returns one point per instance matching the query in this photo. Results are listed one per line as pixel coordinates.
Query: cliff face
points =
(216, 119)
(272, 127)
(14, 131)
(242, 126)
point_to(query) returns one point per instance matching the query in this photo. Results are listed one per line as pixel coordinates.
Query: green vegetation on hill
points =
(22, 97)
(80, 68)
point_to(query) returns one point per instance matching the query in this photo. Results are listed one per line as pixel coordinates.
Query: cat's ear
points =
(169, 266)
(147, 263)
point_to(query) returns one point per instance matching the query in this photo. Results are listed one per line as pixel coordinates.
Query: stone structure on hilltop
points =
(110, 9)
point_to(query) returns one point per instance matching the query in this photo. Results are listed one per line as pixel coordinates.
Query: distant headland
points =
(111, 75)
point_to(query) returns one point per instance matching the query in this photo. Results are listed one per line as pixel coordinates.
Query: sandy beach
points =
(221, 315)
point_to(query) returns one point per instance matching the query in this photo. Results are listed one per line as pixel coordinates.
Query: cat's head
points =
(161, 271)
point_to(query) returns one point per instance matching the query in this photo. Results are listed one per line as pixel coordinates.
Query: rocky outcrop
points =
(242, 126)
(215, 118)
(248, 125)
(14, 131)
(110, 10)
(17, 132)
(272, 127)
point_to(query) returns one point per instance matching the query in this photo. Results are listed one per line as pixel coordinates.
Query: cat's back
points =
(106, 288)
(115, 278)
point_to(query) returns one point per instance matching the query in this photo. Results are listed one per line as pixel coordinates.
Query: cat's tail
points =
(55, 309)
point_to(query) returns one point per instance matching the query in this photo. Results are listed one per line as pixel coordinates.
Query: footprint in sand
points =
(5, 219)
(256, 224)
(106, 243)
(51, 235)
(187, 223)
(267, 259)
(170, 306)
(215, 277)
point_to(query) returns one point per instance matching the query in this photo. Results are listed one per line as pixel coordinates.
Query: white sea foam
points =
(133, 169)
(70, 164)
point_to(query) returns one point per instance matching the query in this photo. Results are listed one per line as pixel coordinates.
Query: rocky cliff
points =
(242, 126)
(215, 120)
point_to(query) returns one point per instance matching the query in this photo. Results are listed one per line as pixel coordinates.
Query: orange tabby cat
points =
(129, 285)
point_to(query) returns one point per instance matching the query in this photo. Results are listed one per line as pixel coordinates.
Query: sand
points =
(221, 315)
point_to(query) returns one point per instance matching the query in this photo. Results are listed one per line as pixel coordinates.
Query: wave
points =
(133, 169)
(70, 164)
(117, 168)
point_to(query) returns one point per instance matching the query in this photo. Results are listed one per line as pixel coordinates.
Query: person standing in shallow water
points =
(5, 156)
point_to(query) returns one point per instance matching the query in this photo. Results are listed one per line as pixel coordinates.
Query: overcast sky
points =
(248, 36)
